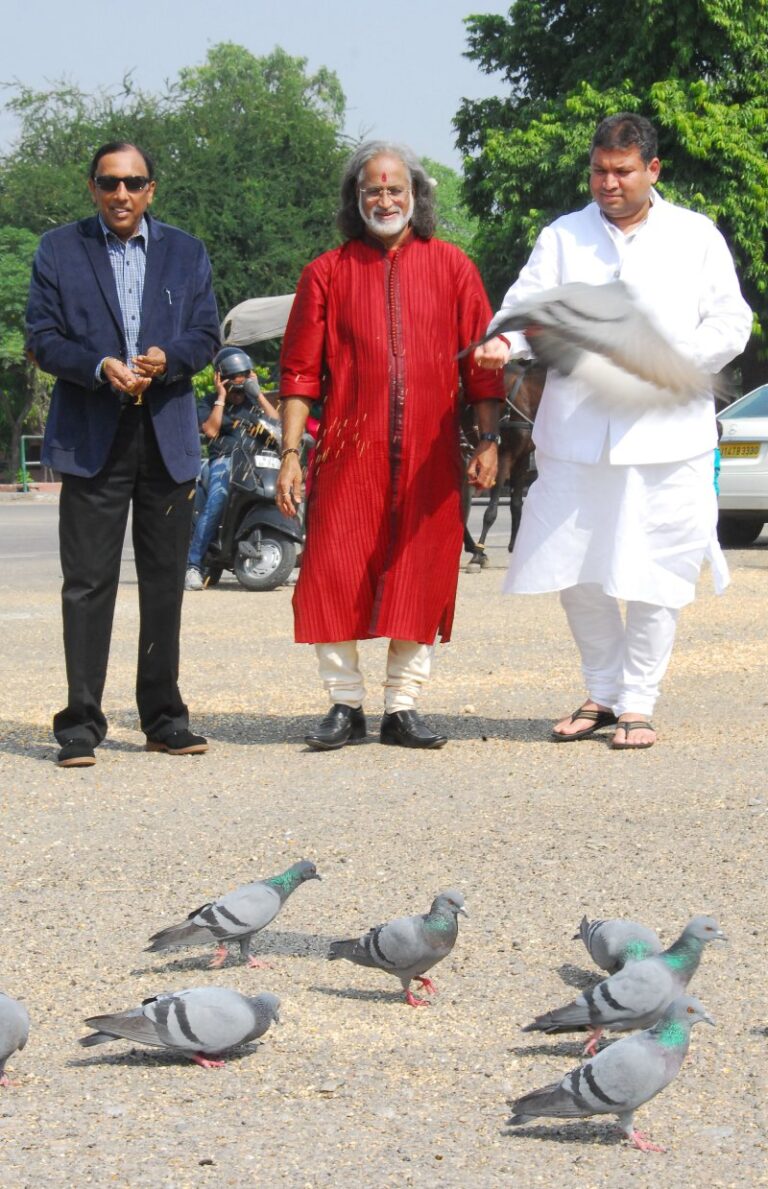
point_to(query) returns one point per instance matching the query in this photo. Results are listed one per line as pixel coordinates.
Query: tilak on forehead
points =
(384, 178)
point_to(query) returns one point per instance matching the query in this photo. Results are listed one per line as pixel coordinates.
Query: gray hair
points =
(424, 218)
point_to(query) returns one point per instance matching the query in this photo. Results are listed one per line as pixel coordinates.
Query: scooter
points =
(255, 539)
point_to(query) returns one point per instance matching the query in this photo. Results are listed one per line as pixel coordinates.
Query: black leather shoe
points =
(76, 753)
(342, 724)
(179, 743)
(404, 728)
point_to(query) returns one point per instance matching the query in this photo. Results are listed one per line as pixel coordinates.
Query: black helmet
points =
(232, 361)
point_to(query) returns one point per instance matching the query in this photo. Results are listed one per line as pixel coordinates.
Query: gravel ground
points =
(355, 1087)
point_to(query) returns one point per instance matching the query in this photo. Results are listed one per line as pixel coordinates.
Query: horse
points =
(524, 385)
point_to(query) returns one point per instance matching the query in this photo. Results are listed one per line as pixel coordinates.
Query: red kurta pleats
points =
(375, 334)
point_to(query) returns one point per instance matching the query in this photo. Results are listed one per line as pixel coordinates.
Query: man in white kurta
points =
(624, 507)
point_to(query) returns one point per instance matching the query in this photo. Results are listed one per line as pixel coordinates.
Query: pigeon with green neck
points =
(409, 946)
(611, 944)
(638, 995)
(237, 916)
(622, 1077)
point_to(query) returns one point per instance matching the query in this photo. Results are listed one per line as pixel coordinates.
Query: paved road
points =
(355, 1087)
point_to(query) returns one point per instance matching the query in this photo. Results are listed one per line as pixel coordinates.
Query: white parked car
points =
(743, 499)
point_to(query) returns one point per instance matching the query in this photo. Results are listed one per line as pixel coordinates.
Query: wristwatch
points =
(489, 437)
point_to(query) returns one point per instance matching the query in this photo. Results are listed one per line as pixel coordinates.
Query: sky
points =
(400, 64)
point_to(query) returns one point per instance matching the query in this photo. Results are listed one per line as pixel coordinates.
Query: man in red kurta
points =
(374, 333)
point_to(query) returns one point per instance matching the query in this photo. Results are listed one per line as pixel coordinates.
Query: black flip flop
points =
(598, 719)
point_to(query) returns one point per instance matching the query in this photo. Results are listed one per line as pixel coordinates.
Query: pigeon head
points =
(689, 1010)
(451, 902)
(704, 929)
(304, 870)
(267, 1004)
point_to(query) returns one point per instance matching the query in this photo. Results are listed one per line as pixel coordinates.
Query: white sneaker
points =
(193, 579)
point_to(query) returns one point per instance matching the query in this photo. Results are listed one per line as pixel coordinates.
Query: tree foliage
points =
(454, 222)
(695, 68)
(23, 391)
(248, 153)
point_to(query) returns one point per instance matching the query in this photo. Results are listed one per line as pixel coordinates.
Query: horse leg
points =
(516, 485)
(470, 545)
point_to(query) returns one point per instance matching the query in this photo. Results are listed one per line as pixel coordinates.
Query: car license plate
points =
(739, 449)
(267, 460)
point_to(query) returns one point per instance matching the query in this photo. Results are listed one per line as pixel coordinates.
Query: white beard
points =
(392, 226)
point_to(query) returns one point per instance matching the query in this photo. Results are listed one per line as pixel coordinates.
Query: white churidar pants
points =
(408, 667)
(623, 662)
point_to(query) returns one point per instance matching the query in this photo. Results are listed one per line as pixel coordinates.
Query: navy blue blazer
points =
(74, 321)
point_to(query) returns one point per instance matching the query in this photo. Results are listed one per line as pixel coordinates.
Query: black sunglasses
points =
(108, 183)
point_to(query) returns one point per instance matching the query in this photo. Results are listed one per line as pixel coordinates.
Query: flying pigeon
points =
(637, 995)
(14, 1031)
(200, 1023)
(574, 323)
(235, 916)
(611, 944)
(409, 946)
(622, 1077)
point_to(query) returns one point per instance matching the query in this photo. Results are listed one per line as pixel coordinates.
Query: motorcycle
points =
(255, 539)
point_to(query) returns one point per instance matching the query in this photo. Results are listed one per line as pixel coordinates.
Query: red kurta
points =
(374, 335)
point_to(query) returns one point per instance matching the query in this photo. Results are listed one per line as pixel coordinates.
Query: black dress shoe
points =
(342, 724)
(179, 743)
(404, 728)
(76, 753)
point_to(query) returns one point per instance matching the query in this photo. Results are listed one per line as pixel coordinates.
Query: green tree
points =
(695, 68)
(248, 153)
(23, 390)
(454, 222)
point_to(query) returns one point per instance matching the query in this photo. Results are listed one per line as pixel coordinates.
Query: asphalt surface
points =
(355, 1087)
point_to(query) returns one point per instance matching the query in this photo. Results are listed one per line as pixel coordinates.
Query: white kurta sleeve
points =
(726, 319)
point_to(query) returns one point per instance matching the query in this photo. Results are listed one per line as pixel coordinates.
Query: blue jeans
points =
(211, 509)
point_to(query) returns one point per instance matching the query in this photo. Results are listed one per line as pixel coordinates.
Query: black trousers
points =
(93, 514)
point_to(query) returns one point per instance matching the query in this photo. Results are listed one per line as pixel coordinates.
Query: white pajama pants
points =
(408, 666)
(623, 662)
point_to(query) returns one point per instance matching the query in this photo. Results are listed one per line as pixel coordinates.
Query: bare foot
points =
(574, 726)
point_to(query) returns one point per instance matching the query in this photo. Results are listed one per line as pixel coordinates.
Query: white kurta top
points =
(680, 271)
(625, 495)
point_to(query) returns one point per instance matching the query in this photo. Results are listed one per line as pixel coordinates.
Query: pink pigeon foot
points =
(638, 1140)
(413, 1001)
(257, 964)
(590, 1048)
(427, 984)
(206, 1062)
(219, 958)
(5, 1080)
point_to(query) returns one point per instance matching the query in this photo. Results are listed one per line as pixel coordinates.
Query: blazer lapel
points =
(153, 275)
(96, 250)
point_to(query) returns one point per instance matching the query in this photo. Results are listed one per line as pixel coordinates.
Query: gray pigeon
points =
(235, 916)
(611, 944)
(621, 1078)
(14, 1031)
(409, 946)
(603, 320)
(200, 1023)
(638, 995)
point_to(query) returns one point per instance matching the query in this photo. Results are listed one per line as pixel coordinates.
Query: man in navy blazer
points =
(121, 311)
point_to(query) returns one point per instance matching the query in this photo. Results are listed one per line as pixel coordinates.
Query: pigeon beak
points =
(708, 1019)
(317, 875)
(720, 936)
(464, 911)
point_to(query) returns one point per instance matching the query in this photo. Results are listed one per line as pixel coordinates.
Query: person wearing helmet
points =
(217, 413)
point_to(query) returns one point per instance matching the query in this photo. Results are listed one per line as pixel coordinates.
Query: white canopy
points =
(257, 319)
